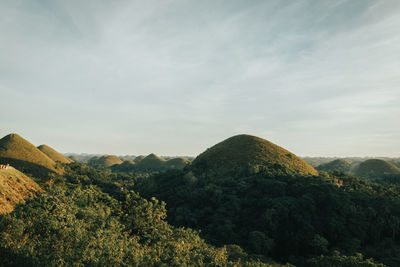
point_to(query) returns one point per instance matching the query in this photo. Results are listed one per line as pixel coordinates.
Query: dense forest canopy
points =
(266, 213)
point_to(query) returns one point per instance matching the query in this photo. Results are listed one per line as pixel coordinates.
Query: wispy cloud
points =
(173, 77)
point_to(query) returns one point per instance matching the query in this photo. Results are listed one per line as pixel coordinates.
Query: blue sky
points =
(320, 78)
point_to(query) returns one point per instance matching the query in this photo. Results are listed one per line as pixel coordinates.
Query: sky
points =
(319, 78)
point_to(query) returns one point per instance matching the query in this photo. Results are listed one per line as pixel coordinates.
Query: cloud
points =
(182, 75)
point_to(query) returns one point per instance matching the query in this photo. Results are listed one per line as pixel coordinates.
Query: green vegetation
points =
(54, 155)
(374, 168)
(24, 156)
(335, 165)
(74, 223)
(15, 187)
(244, 154)
(285, 217)
(248, 201)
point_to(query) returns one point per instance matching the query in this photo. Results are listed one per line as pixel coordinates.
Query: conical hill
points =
(243, 154)
(53, 154)
(105, 161)
(335, 165)
(177, 163)
(21, 154)
(375, 168)
(151, 162)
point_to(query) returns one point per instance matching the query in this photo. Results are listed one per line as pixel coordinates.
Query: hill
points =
(139, 158)
(373, 168)
(151, 162)
(105, 161)
(74, 158)
(24, 156)
(53, 154)
(338, 165)
(15, 187)
(177, 163)
(126, 166)
(242, 154)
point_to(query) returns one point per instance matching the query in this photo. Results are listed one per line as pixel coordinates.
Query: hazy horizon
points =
(319, 78)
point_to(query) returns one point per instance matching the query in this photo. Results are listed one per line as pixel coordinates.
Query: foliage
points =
(286, 217)
(77, 224)
(337, 260)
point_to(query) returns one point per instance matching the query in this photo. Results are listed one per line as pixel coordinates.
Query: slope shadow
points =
(28, 168)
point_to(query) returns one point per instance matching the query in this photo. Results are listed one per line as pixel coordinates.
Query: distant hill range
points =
(316, 161)
(24, 156)
(370, 168)
(244, 154)
(150, 163)
(15, 187)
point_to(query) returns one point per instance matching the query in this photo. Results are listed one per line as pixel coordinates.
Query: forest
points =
(258, 205)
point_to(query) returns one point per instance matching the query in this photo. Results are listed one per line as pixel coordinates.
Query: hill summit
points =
(53, 154)
(24, 156)
(151, 162)
(373, 168)
(246, 153)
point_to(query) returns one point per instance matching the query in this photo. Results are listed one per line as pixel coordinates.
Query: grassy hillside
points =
(53, 154)
(177, 163)
(126, 166)
(373, 168)
(15, 187)
(105, 161)
(338, 165)
(151, 162)
(24, 156)
(139, 158)
(245, 153)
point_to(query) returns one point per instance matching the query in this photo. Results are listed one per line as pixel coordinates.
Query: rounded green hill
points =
(335, 165)
(373, 168)
(53, 154)
(151, 162)
(24, 156)
(105, 161)
(177, 163)
(248, 154)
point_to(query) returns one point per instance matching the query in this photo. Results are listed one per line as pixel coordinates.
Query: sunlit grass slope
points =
(53, 154)
(15, 187)
(24, 156)
(105, 161)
